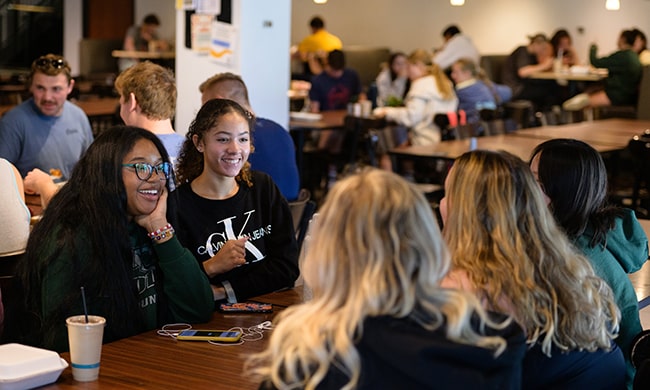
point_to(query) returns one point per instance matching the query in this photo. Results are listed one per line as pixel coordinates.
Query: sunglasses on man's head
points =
(56, 63)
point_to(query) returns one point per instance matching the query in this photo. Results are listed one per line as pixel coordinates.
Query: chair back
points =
(302, 210)
(96, 58)
(366, 61)
(493, 66)
(639, 148)
(643, 104)
(10, 303)
(497, 122)
(457, 130)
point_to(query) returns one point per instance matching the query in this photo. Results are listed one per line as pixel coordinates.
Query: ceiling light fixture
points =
(320, 1)
(612, 5)
(457, 2)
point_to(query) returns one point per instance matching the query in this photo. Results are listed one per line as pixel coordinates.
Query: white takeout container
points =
(580, 69)
(25, 367)
(305, 116)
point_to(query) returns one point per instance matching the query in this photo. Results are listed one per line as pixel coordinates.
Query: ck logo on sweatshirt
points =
(217, 240)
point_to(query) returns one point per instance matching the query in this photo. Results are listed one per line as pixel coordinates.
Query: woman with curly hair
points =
(378, 318)
(234, 220)
(507, 249)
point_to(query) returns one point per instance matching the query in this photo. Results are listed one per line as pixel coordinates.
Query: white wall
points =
(264, 56)
(496, 26)
(263, 61)
(72, 32)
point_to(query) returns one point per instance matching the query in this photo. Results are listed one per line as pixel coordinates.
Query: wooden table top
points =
(604, 135)
(93, 107)
(450, 150)
(595, 75)
(613, 132)
(152, 361)
(143, 55)
(13, 88)
(99, 107)
(330, 120)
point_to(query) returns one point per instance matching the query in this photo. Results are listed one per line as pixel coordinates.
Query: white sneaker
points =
(577, 102)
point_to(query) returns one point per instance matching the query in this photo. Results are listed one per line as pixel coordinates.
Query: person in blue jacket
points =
(475, 91)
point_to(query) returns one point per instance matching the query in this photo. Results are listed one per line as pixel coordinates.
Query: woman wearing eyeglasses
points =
(234, 220)
(106, 230)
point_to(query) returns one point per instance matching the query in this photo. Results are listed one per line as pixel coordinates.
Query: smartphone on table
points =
(223, 336)
(246, 307)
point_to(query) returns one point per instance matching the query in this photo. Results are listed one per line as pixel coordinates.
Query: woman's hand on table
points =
(379, 112)
(40, 183)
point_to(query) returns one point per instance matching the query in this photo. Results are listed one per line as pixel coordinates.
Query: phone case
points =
(223, 336)
(246, 307)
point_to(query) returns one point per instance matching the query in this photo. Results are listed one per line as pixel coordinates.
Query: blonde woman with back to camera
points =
(379, 318)
(507, 249)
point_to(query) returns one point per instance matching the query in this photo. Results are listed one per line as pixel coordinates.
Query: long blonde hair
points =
(503, 236)
(443, 83)
(375, 250)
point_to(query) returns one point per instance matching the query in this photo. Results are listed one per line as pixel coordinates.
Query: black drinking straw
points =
(83, 299)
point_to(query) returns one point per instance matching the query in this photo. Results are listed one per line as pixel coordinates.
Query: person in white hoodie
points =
(431, 93)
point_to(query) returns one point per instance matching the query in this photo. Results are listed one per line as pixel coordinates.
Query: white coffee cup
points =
(85, 346)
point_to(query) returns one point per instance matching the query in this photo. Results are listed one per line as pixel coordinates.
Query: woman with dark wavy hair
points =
(234, 220)
(106, 230)
(572, 174)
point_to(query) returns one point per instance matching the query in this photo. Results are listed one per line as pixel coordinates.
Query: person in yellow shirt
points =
(313, 49)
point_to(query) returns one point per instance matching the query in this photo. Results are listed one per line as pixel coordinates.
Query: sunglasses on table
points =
(144, 171)
(56, 63)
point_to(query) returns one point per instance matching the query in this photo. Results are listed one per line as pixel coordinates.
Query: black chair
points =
(522, 112)
(640, 356)
(302, 210)
(493, 65)
(496, 121)
(459, 131)
(639, 111)
(10, 325)
(639, 150)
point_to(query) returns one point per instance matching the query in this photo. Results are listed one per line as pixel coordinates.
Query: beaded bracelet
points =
(159, 234)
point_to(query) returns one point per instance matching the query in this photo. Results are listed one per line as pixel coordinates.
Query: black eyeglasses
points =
(56, 63)
(144, 171)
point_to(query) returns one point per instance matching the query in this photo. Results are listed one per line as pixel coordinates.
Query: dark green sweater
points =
(168, 268)
(622, 83)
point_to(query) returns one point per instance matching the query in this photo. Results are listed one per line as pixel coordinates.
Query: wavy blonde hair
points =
(503, 236)
(443, 83)
(375, 250)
